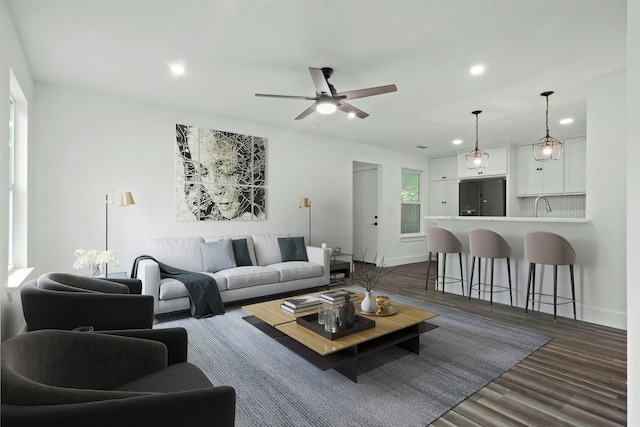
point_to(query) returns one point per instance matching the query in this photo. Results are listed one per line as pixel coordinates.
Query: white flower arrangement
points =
(93, 257)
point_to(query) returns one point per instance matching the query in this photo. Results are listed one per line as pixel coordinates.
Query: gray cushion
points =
(75, 283)
(177, 377)
(218, 255)
(296, 270)
(292, 249)
(244, 277)
(241, 252)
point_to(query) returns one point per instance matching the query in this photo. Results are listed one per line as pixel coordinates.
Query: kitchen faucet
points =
(536, 205)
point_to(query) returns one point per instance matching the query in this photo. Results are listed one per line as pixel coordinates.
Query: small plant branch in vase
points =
(367, 274)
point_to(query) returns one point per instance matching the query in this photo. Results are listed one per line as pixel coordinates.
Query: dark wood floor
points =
(577, 379)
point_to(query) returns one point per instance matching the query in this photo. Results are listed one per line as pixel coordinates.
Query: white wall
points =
(13, 60)
(633, 207)
(87, 145)
(607, 189)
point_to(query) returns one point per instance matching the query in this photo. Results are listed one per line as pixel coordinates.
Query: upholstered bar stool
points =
(443, 242)
(542, 247)
(489, 245)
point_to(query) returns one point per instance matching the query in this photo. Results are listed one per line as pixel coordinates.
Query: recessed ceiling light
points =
(352, 115)
(457, 141)
(476, 70)
(177, 69)
(566, 121)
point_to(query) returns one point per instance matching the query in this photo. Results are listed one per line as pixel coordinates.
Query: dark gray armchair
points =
(65, 378)
(67, 301)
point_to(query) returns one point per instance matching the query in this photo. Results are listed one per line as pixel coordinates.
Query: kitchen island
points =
(591, 263)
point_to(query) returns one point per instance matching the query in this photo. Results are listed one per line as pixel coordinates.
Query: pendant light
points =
(477, 158)
(547, 148)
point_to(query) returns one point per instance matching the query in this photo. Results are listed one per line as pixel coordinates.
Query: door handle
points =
(374, 223)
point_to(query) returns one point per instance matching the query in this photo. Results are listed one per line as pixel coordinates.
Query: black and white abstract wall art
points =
(219, 175)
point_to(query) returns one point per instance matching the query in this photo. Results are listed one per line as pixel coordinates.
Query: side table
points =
(338, 265)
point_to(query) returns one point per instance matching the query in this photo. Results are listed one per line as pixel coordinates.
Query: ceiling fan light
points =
(326, 107)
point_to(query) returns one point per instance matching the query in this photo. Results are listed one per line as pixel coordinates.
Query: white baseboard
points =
(392, 262)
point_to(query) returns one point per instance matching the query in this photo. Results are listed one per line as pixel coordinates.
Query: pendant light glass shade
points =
(547, 148)
(477, 158)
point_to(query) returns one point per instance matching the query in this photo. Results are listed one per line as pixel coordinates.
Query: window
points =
(17, 183)
(12, 179)
(411, 199)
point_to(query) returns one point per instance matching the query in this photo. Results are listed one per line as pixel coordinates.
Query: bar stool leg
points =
(444, 272)
(533, 290)
(473, 264)
(509, 274)
(480, 275)
(461, 275)
(555, 293)
(573, 290)
(491, 288)
(526, 305)
(426, 285)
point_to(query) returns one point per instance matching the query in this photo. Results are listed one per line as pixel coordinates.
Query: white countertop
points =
(510, 219)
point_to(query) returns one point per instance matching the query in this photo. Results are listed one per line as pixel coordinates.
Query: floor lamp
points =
(126, 199)
(306, 203)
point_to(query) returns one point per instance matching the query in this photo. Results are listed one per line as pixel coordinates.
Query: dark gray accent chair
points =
(120, 378)
(68, 301)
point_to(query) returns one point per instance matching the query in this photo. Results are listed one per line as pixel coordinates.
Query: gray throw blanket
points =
(203, 291)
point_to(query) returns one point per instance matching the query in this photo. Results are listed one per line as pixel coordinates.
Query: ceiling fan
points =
(327, 100)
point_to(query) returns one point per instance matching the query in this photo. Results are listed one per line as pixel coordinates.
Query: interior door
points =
(365, 211)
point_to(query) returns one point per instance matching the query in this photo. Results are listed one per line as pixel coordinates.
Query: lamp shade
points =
(477, 159)
(126, 199)
(548, 148)
(305, 202)
(326, 106)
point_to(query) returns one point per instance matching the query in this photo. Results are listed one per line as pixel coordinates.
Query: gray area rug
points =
(275, 387)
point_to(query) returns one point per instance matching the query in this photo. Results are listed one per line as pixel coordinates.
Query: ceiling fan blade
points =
(306, 112)
(322, 86)
(308, 98)
(361, 93)
(348, 108)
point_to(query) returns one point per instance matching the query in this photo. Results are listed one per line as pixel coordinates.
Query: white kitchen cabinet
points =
(496, 165)
(443, 200)
(536, 178)
(443, 168)
(575, 165)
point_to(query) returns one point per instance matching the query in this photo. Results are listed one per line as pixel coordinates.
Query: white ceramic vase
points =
(368, 304)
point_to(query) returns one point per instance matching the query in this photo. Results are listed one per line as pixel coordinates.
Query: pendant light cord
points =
(477, 112)
(547, 116)
(476, 132)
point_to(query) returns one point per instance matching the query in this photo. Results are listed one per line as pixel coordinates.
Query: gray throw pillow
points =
(241, 252)
(217, 255)
(292, 249)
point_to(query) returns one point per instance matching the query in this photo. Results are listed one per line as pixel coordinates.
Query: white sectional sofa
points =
(267, 275)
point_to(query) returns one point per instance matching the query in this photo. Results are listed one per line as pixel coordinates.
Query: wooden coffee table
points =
(342, 354)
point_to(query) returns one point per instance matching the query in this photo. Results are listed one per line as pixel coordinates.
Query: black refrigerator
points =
(483, 197)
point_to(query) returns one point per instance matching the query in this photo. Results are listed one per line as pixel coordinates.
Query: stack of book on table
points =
(301, 304)
(337, 297)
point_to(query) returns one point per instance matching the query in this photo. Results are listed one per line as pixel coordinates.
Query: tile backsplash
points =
(573, 206)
